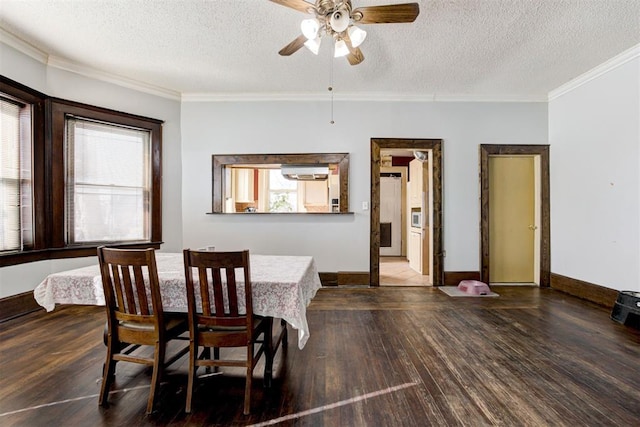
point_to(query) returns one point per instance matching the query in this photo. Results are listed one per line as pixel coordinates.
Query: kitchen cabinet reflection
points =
(280, 183)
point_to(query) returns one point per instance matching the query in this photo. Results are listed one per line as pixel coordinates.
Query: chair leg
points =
(193, 356)
(285, 333)
(158, 362)
(268, 351)
(216, 356)
(247, 385)
(108, 373)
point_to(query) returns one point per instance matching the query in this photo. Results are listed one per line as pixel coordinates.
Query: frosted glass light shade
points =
(341, 49)
(313, 45)
(309, 28)
(357, 35)
(339, 20)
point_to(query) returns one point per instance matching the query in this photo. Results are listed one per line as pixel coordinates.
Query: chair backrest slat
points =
(204, 291)
(232, 292)
(129, 292)
(116, 284)
(218, 292)
(143, 301)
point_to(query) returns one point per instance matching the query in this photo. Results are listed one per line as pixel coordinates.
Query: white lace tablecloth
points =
(282, 287)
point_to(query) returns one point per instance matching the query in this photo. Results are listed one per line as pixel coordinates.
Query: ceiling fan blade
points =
(387, 14)
(299, 5)
(355, 55)
(293, 46)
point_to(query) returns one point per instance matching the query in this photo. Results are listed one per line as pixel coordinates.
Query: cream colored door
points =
(390, 214)
(512, 219)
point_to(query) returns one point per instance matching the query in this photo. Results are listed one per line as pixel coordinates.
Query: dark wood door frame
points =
(487, 150)
(435, 145)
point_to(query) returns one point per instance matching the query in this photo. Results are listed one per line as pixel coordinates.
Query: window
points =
(107, 183)
(74, 176)
(15, 175)
(283, 193)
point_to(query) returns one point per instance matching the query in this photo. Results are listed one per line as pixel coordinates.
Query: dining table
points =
(282, 287)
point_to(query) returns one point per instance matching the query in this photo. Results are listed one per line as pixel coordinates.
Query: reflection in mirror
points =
(287, 183)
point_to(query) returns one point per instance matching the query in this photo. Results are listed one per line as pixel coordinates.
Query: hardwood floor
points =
(376, 357)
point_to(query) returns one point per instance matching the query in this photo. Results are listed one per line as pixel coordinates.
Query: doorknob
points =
(533, 227)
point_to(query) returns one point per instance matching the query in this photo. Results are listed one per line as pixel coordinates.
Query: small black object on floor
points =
(626, 310)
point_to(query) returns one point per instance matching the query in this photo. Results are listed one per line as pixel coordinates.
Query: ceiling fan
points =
(337, 19)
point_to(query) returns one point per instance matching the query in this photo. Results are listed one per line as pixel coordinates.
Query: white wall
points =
(198, 130)
(63, 84)
(594, 131)
(341, 243)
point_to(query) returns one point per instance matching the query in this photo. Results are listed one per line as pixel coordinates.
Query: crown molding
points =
(22, 46)
(490, 98)
(253, 97)
(91, 72)
(353, 96)
(596, 72)
(63, 64)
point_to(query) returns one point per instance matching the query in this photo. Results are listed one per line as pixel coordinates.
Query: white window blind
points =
(108, 182)
(15, 176)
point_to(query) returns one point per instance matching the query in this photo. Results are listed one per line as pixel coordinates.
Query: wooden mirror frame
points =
(221, 160)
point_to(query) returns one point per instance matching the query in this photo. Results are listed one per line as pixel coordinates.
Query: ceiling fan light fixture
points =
(313, 45)
(339, 20)
(341, 49)
(357, 35)
(310, 28)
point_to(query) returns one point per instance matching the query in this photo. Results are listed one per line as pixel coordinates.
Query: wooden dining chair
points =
(215, 296)
(135, 316)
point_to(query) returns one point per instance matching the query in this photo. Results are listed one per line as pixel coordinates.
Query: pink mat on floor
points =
(453, 291)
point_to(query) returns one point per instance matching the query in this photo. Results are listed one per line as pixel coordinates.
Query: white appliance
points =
(416, 219)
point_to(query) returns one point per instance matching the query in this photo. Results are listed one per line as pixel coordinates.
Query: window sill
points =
(280, 213)
(15, 258)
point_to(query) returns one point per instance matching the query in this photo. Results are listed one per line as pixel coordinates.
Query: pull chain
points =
(331, 87)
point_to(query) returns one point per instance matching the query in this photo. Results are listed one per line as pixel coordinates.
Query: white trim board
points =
(596, 72)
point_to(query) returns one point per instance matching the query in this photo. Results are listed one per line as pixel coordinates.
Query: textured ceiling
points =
(473, 48)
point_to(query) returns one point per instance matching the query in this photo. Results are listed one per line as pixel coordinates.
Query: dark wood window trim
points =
(49, 173)
(220, 161)
(37, 101)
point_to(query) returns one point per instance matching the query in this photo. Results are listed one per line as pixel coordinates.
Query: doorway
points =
(514, 217)
(434, 146)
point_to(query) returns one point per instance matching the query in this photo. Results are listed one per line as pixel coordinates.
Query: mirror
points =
(281, 183)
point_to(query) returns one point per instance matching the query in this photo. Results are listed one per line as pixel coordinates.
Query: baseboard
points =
(453, 278)
(346, 278)
(328, 279)
(17, 305)
(588, 291)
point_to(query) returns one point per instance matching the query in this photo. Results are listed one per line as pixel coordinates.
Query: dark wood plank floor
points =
(376, 357)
